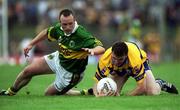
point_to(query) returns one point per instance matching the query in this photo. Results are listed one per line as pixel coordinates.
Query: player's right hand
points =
(27, 49)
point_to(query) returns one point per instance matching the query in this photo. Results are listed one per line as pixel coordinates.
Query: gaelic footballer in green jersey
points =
(68, 64)
(71, 55)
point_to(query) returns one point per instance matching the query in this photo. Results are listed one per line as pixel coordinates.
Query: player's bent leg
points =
(166, 86)
(61, 87)
(37, 67)
(51, 90)
(152, 88)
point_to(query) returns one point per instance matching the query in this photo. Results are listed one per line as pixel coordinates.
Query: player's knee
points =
(152, 92)
(27, 72)
(47, 93)
(50, 91)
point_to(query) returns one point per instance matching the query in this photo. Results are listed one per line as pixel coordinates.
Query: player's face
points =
(117, 61)
(67, 23)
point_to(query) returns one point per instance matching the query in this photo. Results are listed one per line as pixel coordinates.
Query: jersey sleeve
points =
(101, 72)
(136, 58)
(103, 68)
(139, 73)
(91, 42)
(52, 33)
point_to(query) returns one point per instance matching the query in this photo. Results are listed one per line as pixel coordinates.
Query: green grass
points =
(37, 101)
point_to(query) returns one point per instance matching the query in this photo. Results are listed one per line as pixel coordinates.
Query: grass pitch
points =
(36, 100)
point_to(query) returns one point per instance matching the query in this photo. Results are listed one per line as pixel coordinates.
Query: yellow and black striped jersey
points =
(132, 66)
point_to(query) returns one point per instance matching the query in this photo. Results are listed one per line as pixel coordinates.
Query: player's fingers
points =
(117, 94)
(85, 49)
(91, 51)
(110, 93)
(101, 94)
(26, 50)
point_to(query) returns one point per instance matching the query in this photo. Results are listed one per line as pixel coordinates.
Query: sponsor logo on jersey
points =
(64, 51)
(71, 43)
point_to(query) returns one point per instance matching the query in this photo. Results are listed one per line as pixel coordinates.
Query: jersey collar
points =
(75, 28)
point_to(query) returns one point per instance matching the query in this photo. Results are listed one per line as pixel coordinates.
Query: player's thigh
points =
(51, 90)
(38, 66)
(150, 80)
(152, 88)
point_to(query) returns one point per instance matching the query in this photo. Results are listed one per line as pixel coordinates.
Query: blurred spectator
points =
(12, 15)
(0, 13)
(19, 10)
(31, 13)
(108, 19)
(177, 46)
(134, 33)
(42, 7)
(152, 45)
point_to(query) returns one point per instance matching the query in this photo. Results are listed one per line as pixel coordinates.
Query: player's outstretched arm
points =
(95, 51)
(41, 36)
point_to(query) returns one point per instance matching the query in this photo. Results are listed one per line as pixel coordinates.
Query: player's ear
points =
(59, 18)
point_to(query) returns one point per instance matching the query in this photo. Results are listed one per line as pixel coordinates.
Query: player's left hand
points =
(90, 51)
(109, 93)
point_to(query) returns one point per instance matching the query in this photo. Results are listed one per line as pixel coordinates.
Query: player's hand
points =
(90, 51)
(100, 94)
(109, 93)
(27, 49)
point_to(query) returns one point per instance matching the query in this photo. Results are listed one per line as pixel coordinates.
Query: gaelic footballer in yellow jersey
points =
(133, 65)
(125, 59)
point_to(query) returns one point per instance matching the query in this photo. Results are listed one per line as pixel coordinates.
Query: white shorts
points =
(64, 80)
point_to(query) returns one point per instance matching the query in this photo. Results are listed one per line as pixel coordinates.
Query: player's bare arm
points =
(120, 81)
(41, 36)
(95, 51)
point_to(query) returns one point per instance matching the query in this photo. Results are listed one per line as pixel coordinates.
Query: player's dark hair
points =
(120, 49)
(65, 12)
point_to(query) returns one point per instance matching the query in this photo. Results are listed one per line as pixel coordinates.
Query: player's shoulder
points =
(55, 28)
(107, 54)
(82, 31)
(57, 25)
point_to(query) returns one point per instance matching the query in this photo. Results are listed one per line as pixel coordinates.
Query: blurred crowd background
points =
(153, 24)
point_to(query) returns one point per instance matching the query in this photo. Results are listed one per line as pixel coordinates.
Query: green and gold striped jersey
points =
(71, 55)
